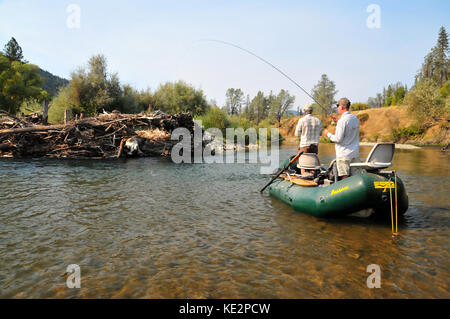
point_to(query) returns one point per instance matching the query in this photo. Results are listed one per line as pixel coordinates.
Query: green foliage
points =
(13, 51)
(398, 95)
(445, 90)
(179, 97)
(259, 108)
(93, 89)
(132, 101)
(65, 99)
(425, 102)
(234, 99)
(267, 123)
(280, 104)
(447, 106)
(324, 92)
(406, 133)
(215, 118)
(30, 105)
(18, 82)
(393, 95)
(237, 121)
(388, 101)
(89, 91)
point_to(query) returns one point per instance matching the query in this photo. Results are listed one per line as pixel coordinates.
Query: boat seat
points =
(309, 161)
(379, 157)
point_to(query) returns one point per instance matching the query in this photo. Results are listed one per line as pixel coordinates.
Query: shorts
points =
(343, 166)
(312, 148)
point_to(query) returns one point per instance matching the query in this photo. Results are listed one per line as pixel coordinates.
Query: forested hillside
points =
(51, 83)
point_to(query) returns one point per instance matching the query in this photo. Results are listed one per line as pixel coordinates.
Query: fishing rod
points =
(270, 64)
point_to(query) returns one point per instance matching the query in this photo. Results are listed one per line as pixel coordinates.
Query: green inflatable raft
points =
(373, 190)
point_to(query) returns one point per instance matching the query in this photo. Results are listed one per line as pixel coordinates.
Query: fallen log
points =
(37, 128)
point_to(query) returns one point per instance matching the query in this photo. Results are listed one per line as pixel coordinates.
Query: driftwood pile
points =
(109, 135)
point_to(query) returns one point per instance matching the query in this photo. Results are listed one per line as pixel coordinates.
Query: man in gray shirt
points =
(308, 130)
(346, 139)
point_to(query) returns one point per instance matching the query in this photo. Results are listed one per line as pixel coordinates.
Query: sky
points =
(150, 42)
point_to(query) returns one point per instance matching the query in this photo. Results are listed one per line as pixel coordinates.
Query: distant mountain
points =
(52, 82)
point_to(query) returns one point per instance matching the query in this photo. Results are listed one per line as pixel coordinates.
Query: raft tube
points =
(353, 194)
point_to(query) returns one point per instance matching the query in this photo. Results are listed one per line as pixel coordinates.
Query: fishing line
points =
(270, 64)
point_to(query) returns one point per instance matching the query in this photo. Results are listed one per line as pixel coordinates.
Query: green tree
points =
(388, 99)
(215, 117)
(13, 51)
(324, 92)
(179, 97)
(145, 100)
(281, 104)
(90, 90)
(398, 95)
(436, 65)
(18, 83)
(426, 102)
(260, 107)
(234, 100)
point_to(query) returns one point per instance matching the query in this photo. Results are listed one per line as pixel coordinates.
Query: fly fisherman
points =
(346, 139)
(309, 129)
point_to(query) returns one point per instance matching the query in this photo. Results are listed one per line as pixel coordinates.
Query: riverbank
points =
(388, 124)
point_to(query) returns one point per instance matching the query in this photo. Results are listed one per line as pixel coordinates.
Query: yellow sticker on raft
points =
(384, 185)
(338, 190)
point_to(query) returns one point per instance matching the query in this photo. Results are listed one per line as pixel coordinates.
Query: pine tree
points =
(436, 65)
(441, 52)
(324, 92)
(13, 51)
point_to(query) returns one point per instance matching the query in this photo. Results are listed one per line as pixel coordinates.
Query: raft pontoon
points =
(322, 195)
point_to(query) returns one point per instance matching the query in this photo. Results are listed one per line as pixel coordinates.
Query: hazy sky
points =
(149, 42)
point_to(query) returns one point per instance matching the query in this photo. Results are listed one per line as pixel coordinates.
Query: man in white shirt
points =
(309, 129)
(346, 139)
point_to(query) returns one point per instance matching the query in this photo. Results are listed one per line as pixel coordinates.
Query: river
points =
(148, 228)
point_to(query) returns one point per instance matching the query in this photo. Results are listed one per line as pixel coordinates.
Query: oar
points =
(284, 168)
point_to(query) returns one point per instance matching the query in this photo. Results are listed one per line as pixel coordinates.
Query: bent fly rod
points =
(268, 63)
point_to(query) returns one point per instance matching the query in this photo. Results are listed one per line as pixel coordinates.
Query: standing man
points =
(346, 139)
(309, 129)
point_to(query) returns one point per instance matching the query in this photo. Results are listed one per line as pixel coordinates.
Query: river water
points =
(148, 228)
